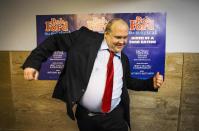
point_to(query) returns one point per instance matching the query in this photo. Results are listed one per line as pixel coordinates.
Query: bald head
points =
(115, 23)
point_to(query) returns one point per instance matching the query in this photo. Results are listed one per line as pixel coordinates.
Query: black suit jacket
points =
(82, 47)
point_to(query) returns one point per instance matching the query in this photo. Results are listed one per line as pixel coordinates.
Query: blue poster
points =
(145, 48)
(146, 43)
(48, 25)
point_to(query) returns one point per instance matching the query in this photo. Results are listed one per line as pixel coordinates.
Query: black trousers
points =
(90, 121)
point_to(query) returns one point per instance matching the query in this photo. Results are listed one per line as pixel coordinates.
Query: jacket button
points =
(83, 90)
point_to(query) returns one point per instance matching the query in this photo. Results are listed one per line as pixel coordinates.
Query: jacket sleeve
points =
(57, 42)
(138, 84)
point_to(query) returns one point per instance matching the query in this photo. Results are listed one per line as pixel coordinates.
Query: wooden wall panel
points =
(35, 109)
(7, 114)
(189, 109)
(159, 111)
(28, 106)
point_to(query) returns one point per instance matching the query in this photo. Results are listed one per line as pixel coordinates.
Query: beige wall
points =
(28, 106)
(18, 19)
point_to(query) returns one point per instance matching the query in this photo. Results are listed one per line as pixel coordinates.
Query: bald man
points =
(95, 77)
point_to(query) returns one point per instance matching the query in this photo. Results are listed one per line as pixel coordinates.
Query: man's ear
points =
(106, 34)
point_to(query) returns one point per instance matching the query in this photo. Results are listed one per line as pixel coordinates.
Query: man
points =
(95, 77)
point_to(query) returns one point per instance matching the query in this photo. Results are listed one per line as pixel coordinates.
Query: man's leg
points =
(84, 121)
(114, 121)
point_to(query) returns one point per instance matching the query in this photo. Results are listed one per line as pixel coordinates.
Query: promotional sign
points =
(48, 25)
(145, 47)
(146, 43)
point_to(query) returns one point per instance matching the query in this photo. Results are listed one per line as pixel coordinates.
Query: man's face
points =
(117, 37)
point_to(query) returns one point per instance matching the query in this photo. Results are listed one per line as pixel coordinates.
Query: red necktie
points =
(106, 100)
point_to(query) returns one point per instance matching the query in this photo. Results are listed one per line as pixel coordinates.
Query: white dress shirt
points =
(92, 98)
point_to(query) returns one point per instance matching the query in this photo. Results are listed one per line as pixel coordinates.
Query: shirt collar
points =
(104, 46)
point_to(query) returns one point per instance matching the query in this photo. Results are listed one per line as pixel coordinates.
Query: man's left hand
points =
(157, 80)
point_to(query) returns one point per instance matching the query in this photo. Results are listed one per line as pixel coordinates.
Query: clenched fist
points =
(31, 74)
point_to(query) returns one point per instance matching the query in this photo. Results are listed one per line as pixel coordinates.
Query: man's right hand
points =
(31, 74)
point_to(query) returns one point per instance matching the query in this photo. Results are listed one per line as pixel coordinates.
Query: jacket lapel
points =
(123, 63)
